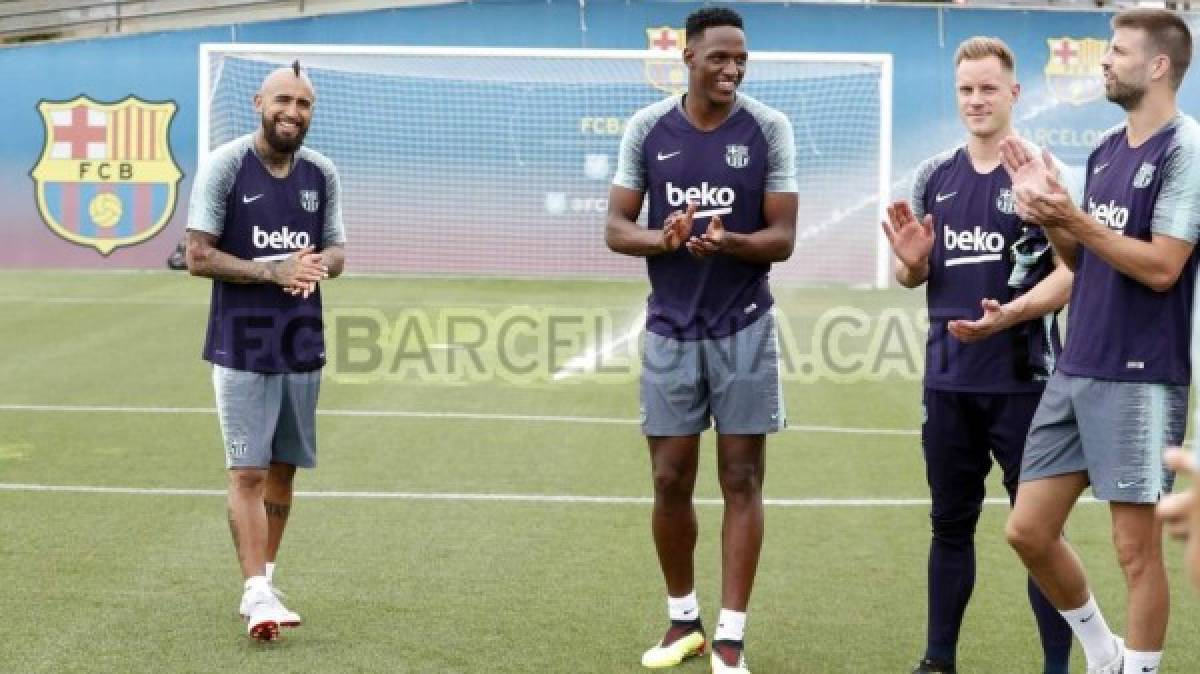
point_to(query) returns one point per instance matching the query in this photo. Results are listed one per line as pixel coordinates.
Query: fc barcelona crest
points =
(308, 200)
(1145, 174)
(667, 73)
(1005, 203)
(737, 156)
(1073, 72)
(106, 177)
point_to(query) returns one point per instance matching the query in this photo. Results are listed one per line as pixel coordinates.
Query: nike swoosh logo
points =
(1083, 620)
(1100, 168)
(1125, 485)
(663, 157)
(942, 197)
(247, 200)
(1149, 669)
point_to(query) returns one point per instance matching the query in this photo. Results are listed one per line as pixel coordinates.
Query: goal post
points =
(497, 161)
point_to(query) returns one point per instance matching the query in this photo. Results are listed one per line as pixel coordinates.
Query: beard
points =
(279, 144)
(1126, 95)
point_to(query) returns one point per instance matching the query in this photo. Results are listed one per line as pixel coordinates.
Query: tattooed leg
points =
(278, 504)
(233, 532)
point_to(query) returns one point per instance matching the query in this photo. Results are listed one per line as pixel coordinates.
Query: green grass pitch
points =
(431, 545)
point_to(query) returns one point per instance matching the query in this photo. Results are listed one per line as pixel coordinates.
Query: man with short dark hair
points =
(719, 169)
(1119, 396)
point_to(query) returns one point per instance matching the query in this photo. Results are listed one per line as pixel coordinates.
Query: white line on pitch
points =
(587, 361)
(412, 414)
(507, 498)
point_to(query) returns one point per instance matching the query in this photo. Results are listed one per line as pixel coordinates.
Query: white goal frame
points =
(883, 252)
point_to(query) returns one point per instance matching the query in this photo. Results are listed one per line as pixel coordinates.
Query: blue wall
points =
(163, 66)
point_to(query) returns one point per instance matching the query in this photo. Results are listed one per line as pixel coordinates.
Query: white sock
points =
(1092, 631)
(270, 571)
(1142, 661)
(731, 626)
(686, 608)
(257, 583)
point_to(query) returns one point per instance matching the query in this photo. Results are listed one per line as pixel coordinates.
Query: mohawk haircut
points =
(296, 67)
(711, 17)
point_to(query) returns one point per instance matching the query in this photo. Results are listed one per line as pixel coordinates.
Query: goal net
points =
(497, 162)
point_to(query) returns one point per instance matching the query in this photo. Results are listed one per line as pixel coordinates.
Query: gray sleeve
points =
(920, 182)
(210, 188)
(922, 176)
(631, 164)
(1177, 210)
(334, 230)
(781, 159)
(781, 145)
(631, 161)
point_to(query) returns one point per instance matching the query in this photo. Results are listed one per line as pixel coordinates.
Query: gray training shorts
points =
(267, 418)
(733, 380)
(1115, 431)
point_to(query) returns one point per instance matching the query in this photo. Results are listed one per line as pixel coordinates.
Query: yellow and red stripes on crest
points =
(134, 133)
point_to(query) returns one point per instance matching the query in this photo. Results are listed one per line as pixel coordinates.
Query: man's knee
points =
(1137, 551)
(1028, 537)
(247, 478)
(742, 479)
(955, 526)
(282, 474)
(673, 482)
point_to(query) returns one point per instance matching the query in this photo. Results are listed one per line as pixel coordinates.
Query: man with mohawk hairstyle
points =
(265, 224)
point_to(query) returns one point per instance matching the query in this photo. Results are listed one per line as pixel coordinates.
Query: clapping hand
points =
(711, 242)
(1180, 513)
(996, 317)
(677, 227)
(1040, 196)
(912, 241)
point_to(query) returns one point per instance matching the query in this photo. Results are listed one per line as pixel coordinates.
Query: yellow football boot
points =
(682, 641)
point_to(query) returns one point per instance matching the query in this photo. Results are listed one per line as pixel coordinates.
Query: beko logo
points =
(1110, 215)
(284, 239)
